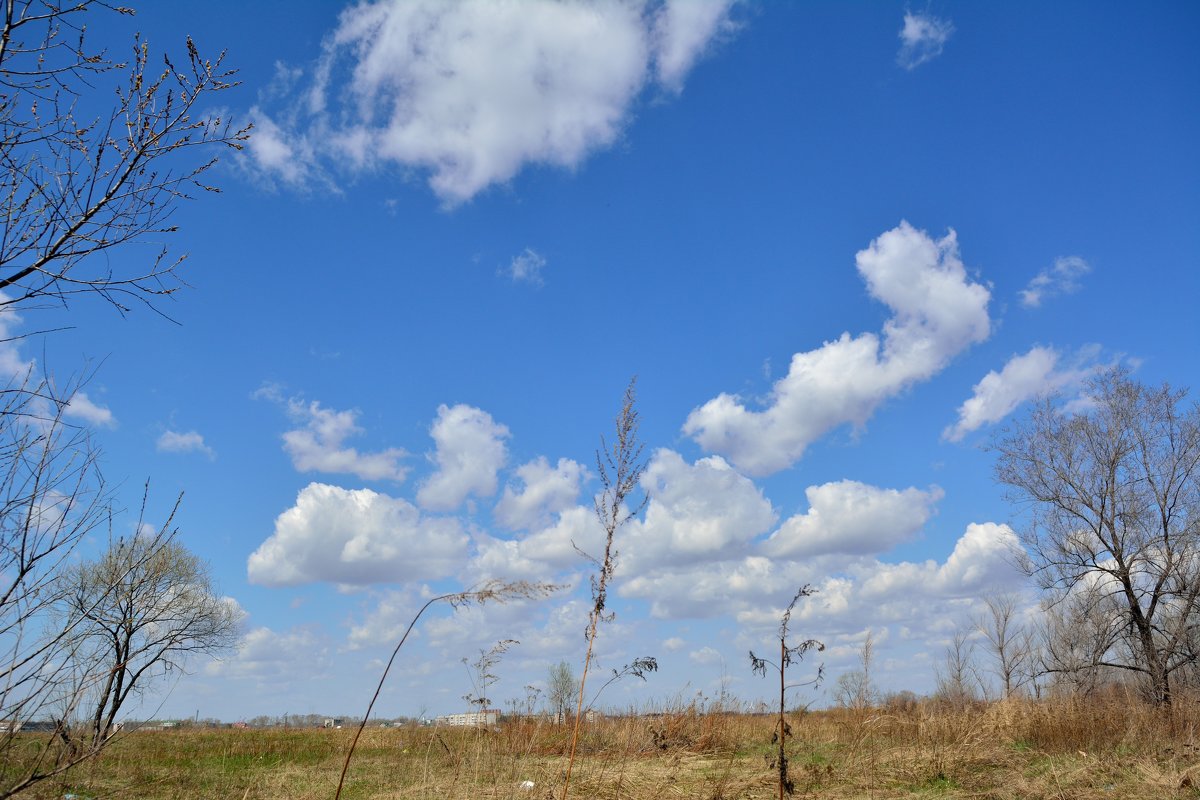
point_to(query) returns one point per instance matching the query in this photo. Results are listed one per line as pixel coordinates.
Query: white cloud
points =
(853, 518)
(1061, 278)
(470, 450)
(526, 267)
(674, 644)
(937, 312)
(82, 407)
(853, 593)
(697, 512)
(546, 491)
(185, 442)
(706, 655)
(473, 91)
(922, 39)
(268, 656)
(356, 538)
(682, 31)
(542, 553)
(999, 393)
(386, 621)
(981, 562)
(319, 446)
(278, 153)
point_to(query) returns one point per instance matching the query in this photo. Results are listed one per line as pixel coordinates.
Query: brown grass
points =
(1111, 747)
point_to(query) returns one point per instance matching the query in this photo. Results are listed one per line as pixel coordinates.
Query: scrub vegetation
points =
(1108, 746)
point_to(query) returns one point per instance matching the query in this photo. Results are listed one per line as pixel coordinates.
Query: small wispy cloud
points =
(526, 267)
(183, 442)
(922, 39)
(318, 443)
(1061, 278)
(83, 407)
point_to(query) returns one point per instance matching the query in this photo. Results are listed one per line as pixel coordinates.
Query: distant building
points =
(472, 719)
(333, 722)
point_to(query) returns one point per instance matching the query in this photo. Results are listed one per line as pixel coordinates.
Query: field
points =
(1062, 749)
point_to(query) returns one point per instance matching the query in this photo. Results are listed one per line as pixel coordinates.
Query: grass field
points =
(1062, 749)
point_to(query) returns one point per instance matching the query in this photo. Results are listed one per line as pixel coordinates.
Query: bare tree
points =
(957, 680)
(52, 495)
(1114, 499)
(140, 610)
(854, 689)
(1009, 643)
(1080, 630)
(78, 177)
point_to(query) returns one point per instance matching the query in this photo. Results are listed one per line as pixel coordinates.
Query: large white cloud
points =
(542, 553)
(854, 518)
(937, 312)
(356, 537)
(470, 450)
(545, 491)
(697, 512)
(472, 91)
(852, 592)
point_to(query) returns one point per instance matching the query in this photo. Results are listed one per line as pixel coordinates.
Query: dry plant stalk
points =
(787, 657)
(620, 467)
(491, 592)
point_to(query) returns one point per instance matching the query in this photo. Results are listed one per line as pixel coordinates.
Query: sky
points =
(839, 245)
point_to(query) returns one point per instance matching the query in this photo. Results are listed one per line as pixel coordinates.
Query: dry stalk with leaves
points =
(787, 657)
(620, 466)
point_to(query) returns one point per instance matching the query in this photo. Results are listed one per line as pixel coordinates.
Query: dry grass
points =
(1106, 748)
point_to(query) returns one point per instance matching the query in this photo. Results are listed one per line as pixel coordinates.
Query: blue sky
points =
(837, 243)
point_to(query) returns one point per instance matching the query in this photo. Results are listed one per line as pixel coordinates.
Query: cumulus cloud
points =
(543, 552)
(183, 442)
(937, 312)
(697, 512)
(998, 394)
(544, 492)
(922, 39)
(356, 538)
(270, 656)
(318, 445)
(84, 408)
(1061, 278)
(526, 267)
(854, 518)
(852, 592)
(682, 31)
(471, 92)
(470, 450)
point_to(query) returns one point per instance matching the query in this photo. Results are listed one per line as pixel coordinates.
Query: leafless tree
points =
(139, 611)
(1113, 494)
(80, 174)
(957, 680)
(854, 689)
(1079, 632)
(52, 495)
(1009, 642)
